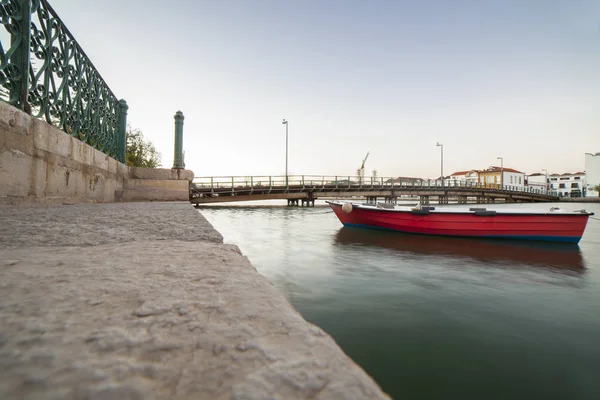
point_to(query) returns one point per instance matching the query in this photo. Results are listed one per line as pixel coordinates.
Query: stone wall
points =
(40, 163)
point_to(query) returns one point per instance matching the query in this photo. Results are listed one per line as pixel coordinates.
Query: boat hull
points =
(557, 227)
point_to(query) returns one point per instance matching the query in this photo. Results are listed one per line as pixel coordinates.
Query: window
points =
(575, 185)
(577, 177)
(561, 186)
(520, 180)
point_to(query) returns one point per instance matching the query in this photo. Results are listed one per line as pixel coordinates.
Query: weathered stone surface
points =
(40, 163)
(162, 174)
(156, 190)
(90, 225)
(109, 302)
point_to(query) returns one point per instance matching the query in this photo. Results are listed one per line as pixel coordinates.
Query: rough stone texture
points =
(40, 163)
(162, 174)
(144, 301)
(156, 190)
(89, 225)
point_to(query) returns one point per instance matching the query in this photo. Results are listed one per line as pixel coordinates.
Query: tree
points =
(140, 152)
(597, 189)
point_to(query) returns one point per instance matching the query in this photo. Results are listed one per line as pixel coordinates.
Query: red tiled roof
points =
(494, 168)
(460, 173)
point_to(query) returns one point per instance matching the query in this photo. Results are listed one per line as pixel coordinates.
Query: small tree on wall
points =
(597, 189)
(140, 152)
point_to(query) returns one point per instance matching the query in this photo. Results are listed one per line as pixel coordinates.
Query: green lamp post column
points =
(178, 156)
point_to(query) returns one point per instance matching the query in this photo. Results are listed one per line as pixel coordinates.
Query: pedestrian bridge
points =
(305, 189)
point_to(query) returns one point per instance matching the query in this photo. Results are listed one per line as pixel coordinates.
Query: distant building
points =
(506, 176)
(592, 173)
(569, 185)
(537, 181)
(464, 176)
(407, 180)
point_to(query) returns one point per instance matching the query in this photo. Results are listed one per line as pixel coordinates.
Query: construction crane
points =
(360, 173)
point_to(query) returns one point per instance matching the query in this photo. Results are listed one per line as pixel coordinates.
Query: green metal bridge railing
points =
(46, 73)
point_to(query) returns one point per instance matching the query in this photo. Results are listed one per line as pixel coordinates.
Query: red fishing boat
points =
(554, 225)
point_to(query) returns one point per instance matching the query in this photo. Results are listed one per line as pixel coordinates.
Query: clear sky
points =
(513, 78)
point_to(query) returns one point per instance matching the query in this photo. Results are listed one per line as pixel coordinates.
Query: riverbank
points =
(143, 300)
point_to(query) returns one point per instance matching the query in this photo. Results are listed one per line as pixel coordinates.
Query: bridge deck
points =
(229, 189)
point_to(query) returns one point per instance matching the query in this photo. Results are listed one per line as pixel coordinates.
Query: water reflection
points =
(538, 254)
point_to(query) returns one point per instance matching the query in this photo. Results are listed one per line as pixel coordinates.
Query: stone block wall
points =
(41, 163)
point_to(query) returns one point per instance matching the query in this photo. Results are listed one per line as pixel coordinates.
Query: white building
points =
(592, 173)
(568, 185)
(537, 181)
(459, 176)
(495, 175)
(464, 176)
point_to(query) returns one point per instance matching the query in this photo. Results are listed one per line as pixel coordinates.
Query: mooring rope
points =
(598, 219)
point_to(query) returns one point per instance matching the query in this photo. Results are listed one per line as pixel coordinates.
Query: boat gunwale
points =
(465, 212)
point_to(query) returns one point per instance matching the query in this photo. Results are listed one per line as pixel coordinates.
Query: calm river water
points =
(436, 318)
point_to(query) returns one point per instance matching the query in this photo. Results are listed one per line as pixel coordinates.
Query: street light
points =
(286, 151)
(501, 172)
(442, 161)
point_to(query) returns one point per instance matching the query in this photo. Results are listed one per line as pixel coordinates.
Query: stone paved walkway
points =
(144, 301)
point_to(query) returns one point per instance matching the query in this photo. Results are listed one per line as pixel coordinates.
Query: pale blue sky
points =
(514, 78)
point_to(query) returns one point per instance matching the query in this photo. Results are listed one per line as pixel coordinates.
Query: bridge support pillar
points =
(372, 200)
(490, 200)
(424, 199)
(462, 199)
(442, 199)
(480, 199)
(308, 202)
(292, 202)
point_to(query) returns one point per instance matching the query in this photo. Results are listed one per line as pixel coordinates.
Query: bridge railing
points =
(311, 182)
(46, 73)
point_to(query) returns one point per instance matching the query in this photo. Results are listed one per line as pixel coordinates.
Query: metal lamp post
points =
(178, 156)
(442, 161)
(501, 172)
(286, 151)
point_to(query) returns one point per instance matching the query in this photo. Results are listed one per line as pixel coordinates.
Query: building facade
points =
(592, 173)
(502, 176)
(569, 185)
(537, 181)
(464, 176)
